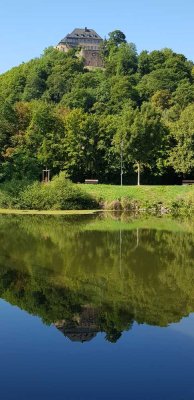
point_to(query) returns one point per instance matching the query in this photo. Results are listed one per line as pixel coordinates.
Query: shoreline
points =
(140, 212)
(10, 211)
(90, 199)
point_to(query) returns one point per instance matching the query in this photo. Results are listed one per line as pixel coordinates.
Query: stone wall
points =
(92, 58)
(62, 47)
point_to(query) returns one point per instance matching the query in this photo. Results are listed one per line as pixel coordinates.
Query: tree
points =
(157, 80)
(121, 92)
(181, 153)
(80, 145)
(142, 134)
(109, 159)
(61, 79)
(144, 63)
(184, 94)
(117, 37)
(79, 98)
(35, 84)
(156, 60)
(162, 100)
(44, 136)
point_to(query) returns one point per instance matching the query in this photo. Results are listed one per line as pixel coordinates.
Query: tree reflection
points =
(87, 275)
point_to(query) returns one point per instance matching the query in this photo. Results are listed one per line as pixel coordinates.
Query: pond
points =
(96, 307)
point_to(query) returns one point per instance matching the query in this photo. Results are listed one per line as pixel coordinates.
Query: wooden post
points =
(121, 166)
(46, 175)
(138, 174)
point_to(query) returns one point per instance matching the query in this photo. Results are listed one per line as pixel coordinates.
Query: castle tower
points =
(88, 41)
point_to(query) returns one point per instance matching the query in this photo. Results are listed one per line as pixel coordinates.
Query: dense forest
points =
(56, 113)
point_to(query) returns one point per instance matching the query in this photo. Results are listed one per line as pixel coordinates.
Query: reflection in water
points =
(92, 274)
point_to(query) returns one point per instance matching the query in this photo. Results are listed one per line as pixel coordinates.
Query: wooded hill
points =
(56, 113)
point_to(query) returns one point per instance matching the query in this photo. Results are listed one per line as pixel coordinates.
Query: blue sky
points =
(27, 27)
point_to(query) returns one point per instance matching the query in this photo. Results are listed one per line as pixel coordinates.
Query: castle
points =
(88, 41)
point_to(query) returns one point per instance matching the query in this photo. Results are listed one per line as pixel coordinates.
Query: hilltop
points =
(54, 112)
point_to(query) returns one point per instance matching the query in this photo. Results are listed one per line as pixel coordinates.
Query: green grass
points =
(142, 193)
(45, 212)
(175, 200)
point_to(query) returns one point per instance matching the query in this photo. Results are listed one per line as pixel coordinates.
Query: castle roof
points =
(79, 34)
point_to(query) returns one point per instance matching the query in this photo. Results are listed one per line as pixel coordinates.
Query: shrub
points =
(5, 200)
(114, 205)
(9, 192)
(59, 194)
(15, 186)
(129, 204)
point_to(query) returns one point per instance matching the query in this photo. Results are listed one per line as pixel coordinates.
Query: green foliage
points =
(56, 113)
(182, 153)
(117, 37)
(184, 94)
(106, 271)
(122, 60)
(6, 201)
(79, 98)
(60, 194)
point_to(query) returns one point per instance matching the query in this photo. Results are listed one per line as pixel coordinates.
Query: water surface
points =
(96, 307)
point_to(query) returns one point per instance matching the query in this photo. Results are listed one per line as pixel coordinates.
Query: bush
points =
(114, 205)
(59, 194)
(10, 191)
(5, 200)
(182, 205)
(129, 204)
(15, 186)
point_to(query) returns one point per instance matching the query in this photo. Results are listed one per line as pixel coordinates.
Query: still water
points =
(96, 308)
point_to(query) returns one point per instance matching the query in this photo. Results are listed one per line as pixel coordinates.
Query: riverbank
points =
(12, 211)
(60, 196)
(152, 199)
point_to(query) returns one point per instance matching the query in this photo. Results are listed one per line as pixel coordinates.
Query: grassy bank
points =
(61, 194)
(156, 199)
(14, 211)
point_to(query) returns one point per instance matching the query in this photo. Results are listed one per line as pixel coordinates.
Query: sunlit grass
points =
(46, 212)
(142, 193)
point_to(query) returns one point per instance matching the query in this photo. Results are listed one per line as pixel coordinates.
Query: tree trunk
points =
(138, 174)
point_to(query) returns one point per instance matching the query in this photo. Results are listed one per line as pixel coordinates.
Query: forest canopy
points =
(56, 113)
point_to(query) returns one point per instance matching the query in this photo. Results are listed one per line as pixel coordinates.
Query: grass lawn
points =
(155, 199)
(143, 194)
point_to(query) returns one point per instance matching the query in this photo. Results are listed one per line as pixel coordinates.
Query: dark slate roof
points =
(85, 33)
